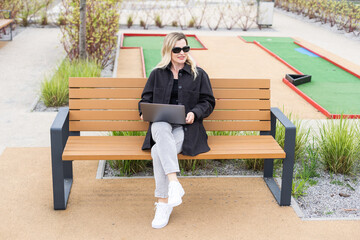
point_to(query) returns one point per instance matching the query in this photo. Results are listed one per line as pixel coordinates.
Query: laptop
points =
(155, 112)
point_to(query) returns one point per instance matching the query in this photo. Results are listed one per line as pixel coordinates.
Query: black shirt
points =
(174, 93)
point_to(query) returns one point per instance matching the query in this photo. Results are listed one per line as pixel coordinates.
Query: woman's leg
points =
(178, 133)
(164, 153)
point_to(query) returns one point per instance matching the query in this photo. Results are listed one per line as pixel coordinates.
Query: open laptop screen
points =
(155, 112)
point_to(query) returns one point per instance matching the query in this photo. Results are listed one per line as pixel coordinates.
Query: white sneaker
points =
(176, 192)
(162, 215)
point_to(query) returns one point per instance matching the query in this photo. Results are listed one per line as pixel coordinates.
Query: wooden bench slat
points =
(242, 93)
(143, 126)
(140, 82)
(129, 104)
(239, 83)
(119, 93)
(116, 93)
(117, 148)
(252, 104)
(107, 82)
(104, 115)
(134, 115)
(237, 126)
(108, 126)
(126, 104)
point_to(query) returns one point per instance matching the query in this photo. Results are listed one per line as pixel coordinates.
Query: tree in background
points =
(102, 25)
(82, 32)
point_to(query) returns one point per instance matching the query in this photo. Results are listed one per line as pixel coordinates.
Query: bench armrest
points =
(276, 112)
(7, 11)
(290, 131)
(59, 130)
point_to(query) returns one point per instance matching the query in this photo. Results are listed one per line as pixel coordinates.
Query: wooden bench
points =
(4, 23)
(110, 104)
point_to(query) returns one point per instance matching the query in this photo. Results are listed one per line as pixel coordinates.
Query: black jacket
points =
(197, 97)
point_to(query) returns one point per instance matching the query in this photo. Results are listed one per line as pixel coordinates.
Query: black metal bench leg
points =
(62, 173)
(288, 167)
(62, 177)
(268, 168)
(283, 195)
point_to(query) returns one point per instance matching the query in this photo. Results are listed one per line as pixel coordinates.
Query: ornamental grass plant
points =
(129, 167)
(301, 139)
(55, 88)
(338, 145)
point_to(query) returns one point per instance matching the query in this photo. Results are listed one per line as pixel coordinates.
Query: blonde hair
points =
(169, 42)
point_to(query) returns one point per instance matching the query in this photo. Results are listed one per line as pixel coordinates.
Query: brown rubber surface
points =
(129, 63)
(213, 208)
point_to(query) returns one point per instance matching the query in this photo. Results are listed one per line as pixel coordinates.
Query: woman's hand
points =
(190, 118)
(141, 117)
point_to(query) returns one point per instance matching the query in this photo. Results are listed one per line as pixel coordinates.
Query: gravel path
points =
(333, 196)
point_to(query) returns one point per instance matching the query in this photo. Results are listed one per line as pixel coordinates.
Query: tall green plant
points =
(310, 163)
(301, 139)
(338, 146)
(102, 18)
(55, 88)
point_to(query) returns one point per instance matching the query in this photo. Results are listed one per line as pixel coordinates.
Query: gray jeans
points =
(168, 139)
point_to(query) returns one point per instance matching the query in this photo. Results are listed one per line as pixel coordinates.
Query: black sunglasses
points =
(178, 49)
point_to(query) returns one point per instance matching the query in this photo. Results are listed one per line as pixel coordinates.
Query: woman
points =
(175, 80)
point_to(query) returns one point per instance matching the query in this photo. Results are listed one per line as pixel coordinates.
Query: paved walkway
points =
(24, 62)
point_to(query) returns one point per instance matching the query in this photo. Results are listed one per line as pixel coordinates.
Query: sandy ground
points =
(213, 208)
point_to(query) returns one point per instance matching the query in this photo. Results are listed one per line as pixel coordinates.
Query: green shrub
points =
(102, 25)
(30, 9)
(143, 24)
(299, 187)
(191, 164)
(310, 163)
(301, 139)
(44, 18)
(344, 14)
(55, 89)
(174, 23)
(13, 5)
(128, 167)
(158, 21)
(129, 22)
(191, 23)
(338, 145)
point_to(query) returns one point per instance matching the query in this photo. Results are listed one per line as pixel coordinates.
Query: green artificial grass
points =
(331, 87)
(152, 48)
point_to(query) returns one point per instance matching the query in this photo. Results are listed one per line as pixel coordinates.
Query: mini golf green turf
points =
(331, 87)
(152, 48)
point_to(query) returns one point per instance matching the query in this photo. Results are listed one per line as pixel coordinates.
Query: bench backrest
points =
(111, 104)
